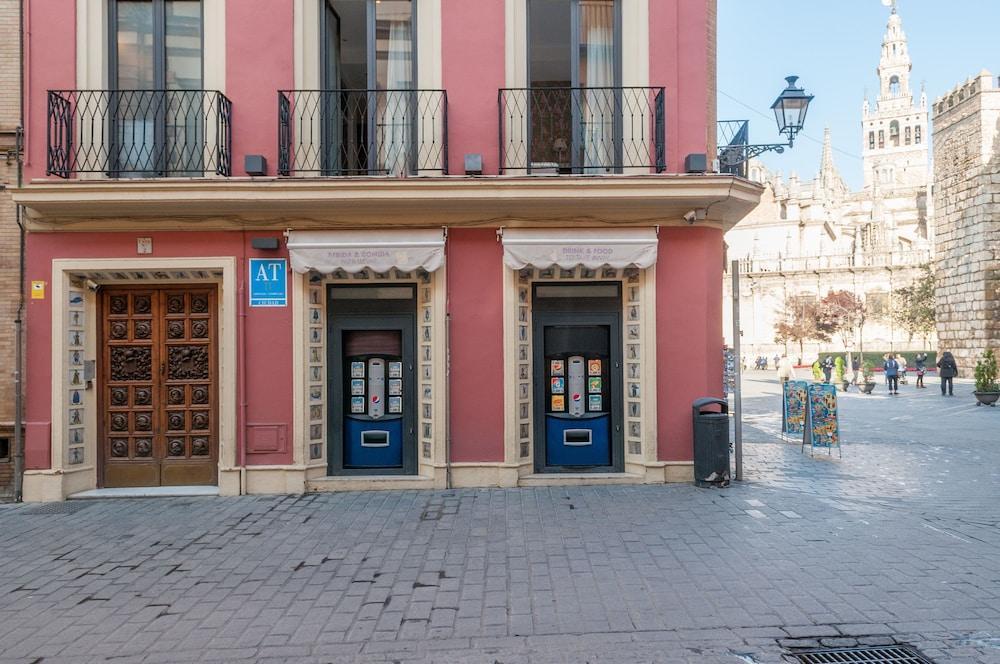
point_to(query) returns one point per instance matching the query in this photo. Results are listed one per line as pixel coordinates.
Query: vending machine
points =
(578, 378)
(577, 419)
(373, 420)
(371, 354)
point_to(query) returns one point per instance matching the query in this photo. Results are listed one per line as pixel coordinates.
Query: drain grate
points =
(878, 655)
(57, 508)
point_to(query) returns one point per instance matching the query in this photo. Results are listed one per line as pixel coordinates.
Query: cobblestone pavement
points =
(895, 543)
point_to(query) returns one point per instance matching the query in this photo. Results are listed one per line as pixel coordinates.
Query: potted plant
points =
(868, 377)
(838, 370)
(987, 389)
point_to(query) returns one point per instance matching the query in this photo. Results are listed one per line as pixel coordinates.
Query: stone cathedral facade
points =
(807, 238)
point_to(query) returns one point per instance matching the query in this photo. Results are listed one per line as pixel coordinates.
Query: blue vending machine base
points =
(578, 441)
(373, 443)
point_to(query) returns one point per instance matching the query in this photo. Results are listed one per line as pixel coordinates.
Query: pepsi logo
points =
(376, 398)
(577, 396)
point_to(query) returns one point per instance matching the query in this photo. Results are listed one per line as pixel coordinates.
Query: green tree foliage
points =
(986, 373)
(913, 306)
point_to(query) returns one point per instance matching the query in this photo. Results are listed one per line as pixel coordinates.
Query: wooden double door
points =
(159, 387)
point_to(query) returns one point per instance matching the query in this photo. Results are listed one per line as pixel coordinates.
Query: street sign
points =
(268, 282)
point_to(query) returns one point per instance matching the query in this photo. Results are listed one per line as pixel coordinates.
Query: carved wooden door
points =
(159, 387)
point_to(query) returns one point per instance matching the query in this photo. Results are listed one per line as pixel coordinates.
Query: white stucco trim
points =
(516, 53)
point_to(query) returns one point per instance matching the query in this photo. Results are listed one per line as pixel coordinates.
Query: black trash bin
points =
(711, 443)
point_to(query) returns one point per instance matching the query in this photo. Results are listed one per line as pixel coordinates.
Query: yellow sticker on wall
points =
(37, 290)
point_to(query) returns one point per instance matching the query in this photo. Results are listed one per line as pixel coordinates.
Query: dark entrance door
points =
(371, 384)
(578, 377)
(158, 387)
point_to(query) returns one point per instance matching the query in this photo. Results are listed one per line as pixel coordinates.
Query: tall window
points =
(871, 140)
(894, 133)
(369, 75)
(877, 304)
(908, 136)
(916, 134)
(881, 138)
(574, 70)
(894, 83)
(156, 74)
(871, 236)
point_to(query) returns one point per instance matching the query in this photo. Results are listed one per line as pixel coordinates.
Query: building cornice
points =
(266, 203)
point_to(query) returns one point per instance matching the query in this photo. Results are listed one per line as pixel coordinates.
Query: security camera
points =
(695, 215)
(92, 285)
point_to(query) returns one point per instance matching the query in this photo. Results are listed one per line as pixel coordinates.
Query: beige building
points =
(967, 243)
(9, 236)
(807, 238)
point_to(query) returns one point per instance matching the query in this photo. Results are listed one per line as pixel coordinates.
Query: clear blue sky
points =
(833, 46)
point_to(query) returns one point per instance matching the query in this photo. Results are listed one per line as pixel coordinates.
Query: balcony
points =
(880, 259)
(139, 133)
(335, 133)
(588, 131)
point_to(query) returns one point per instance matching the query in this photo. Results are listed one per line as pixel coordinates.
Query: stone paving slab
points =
(895, 543)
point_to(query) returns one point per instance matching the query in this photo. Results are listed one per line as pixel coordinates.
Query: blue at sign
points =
(268, 282)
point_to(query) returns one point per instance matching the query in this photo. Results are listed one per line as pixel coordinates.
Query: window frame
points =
(371, 64)
(159, 43)
(574, 46)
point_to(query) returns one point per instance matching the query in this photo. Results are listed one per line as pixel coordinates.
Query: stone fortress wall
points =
(967, 198)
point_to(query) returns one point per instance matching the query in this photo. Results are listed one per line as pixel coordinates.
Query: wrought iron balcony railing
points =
(733, 138)
(139, 133)
(581, 130)
(362, 132)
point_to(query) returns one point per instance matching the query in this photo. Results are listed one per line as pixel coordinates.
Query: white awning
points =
(377, 250)
(590, 247)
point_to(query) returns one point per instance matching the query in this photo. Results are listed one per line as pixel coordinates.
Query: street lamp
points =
(790, 110)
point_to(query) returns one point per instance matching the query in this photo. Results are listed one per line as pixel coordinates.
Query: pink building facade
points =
(313, 245)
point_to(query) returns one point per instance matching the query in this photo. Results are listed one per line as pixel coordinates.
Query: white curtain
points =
(395, 112)
(597, 70)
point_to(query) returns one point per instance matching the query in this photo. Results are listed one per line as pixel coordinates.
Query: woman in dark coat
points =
(947, 369)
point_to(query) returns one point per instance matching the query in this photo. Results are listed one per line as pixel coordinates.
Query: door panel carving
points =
(158, 387)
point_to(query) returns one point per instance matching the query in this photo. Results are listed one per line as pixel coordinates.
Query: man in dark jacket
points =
(891, 368)
(827, 369)
(947, 369)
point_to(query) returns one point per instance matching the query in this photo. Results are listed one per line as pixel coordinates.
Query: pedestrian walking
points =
(785, 370)
(901, 361)
(891, 368)
(947, 369)
(827, 369)
(921, 363)
(855, 368)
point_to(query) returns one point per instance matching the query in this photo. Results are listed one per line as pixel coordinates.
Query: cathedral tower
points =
(894, 132)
